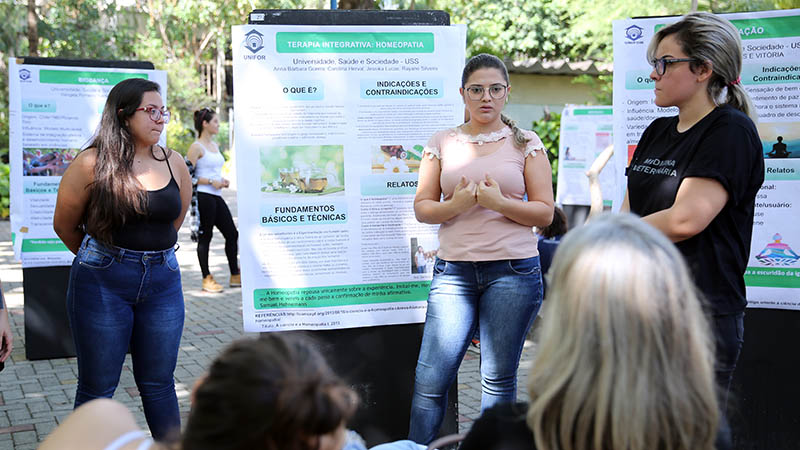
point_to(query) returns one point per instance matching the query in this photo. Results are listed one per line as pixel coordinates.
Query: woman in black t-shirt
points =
(695, 176)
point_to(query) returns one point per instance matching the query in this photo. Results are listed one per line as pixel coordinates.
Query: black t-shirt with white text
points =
(723, 146)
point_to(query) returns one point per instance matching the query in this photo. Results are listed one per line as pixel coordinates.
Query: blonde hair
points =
(710, 38)
(625, 360)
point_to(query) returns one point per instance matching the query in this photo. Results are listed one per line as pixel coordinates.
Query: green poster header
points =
(333, 42)
(43, 245)
(594, 111)
(86, 77)
(764, 27)
(779, 277)
(353, 294)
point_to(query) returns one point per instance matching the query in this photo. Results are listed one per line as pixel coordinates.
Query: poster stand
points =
(765, 393)
(47, 332)
(379, 362)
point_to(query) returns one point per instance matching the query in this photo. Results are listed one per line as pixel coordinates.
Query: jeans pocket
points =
(525, 266)
(94, 260)
(172, 262)
(439, 267)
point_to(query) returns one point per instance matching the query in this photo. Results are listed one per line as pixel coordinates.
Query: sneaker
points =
(236, 280)
(211, 285)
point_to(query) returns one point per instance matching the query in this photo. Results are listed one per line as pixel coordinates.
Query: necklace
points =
(483, 138)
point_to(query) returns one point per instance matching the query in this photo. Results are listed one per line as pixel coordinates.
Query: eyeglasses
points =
(156, 114)
(496, 91)
(660, 64)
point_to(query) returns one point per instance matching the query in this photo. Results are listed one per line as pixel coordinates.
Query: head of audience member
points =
(714, 44)
(558, 226)
(205, 119)
(272, 393)
(625, 359)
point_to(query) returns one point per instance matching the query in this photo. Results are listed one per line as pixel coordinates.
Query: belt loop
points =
(120, 254)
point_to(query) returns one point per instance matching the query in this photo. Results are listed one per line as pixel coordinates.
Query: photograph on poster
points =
(423, 254)
(46, 161)
(302, 170)
(780, 139)
(396, 158)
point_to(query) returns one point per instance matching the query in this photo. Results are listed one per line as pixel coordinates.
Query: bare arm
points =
(538, 210)
(185, 182)
(698, 201)
(595, 192)
(73, 196)
(626, 203)
(6, 338)
(428, 206)
(92, 427)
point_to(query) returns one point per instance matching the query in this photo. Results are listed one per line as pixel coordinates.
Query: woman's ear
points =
(704, 71)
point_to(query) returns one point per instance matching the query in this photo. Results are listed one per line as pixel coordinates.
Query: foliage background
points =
(181, 35)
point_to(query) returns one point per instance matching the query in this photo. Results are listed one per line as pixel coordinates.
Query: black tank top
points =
(154, 230)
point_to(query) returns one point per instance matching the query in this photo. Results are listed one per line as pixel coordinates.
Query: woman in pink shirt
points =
(472, 181)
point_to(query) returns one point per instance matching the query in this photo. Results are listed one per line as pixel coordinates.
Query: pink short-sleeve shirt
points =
(480, 234)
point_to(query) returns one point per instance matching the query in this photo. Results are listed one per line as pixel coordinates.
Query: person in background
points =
(420, 260)
(204, 154)
(695, 176)
(6, 338)
(119, 207)
(472, 181)
(548, 239)
(625, 359)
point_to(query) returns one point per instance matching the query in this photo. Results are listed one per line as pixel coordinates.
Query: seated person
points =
(271, 393)
(625, 359)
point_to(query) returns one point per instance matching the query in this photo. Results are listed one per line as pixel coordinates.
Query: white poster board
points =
(771, 75)
(53, 111)
(330, 124)
(585, 132)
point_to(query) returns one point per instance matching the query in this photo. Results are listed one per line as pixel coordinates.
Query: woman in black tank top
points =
(120, 205)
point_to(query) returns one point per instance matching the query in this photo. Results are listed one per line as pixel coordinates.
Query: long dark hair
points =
(487, 61)
(274, 393)
(115, 195)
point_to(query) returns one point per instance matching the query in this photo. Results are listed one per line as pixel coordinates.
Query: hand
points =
(464, 194)
(6, 338)
(489, 194)
(217, 184)
(225, 182)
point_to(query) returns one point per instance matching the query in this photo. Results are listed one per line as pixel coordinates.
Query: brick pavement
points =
(35, 396)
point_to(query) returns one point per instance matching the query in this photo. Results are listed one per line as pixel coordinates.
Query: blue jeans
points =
(504, 297)
(118, 298)
(729, 335)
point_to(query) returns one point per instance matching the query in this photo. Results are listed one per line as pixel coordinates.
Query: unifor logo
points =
(633, 32)
(254, 41)
(777, 253)
(24, 74)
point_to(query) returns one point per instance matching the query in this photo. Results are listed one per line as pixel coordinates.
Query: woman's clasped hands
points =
(486, 193)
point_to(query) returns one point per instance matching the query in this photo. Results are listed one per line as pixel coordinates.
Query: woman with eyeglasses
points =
(207, 160)
(695, 176)
(472, 181)
(120, 205)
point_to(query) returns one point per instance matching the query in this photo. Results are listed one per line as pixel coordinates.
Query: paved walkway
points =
(35, 396)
